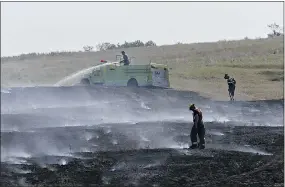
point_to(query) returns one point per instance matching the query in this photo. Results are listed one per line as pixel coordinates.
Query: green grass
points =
(257, 65)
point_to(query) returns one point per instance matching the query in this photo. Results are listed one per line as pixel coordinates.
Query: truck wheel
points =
(85, 82)
(132, 83)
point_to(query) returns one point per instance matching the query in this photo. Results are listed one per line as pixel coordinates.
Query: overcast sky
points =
(50, 26)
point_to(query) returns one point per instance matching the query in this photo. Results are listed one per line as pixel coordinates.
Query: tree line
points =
(109, 46)
(276, 30)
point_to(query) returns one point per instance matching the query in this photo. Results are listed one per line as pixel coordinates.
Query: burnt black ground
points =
(38, 149)
(165, 166)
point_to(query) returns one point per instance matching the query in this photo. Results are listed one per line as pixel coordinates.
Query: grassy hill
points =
(257, 65)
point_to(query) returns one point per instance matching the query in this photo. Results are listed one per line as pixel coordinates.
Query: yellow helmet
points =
(191, 106)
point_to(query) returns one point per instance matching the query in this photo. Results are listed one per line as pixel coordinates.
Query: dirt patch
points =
(274, 75)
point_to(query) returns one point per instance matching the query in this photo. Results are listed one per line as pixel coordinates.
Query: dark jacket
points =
(126, 59)
(197, 117)
(231, 82)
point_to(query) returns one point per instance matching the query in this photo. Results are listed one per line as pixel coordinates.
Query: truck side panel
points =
(116, 75)
(160, 77)
(120, 75)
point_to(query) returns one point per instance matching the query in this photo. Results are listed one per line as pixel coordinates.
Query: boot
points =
(201, 146)
(193, 146)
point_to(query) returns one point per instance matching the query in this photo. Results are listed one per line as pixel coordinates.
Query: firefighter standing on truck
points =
(125, 59)
(198, 128)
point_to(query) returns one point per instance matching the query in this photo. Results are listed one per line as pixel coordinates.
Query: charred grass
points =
(203, 168)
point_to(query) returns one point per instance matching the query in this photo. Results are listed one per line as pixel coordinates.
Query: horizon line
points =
(167, 44)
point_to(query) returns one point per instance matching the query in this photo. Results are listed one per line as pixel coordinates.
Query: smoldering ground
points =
(136, 137)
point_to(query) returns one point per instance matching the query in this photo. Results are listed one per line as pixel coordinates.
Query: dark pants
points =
(232, 90)
(200, 130)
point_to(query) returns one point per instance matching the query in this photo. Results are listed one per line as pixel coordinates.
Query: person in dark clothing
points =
(197, 128)
(231, 86)
(125, 59)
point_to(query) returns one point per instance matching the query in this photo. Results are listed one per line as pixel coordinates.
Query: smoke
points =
(5, 90)
(61, 121)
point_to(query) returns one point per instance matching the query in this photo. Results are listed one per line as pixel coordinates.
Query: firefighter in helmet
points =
(231, 86)
(197, 128)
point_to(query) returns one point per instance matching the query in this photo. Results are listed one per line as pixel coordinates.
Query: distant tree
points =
(125, 45)
(88, 48)
(111, 46)
(52, 54)
(33, 54)
(150, 43)
(276, 30)
(105, 46)
(136, 43)
(100, 47)
(118, 46)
